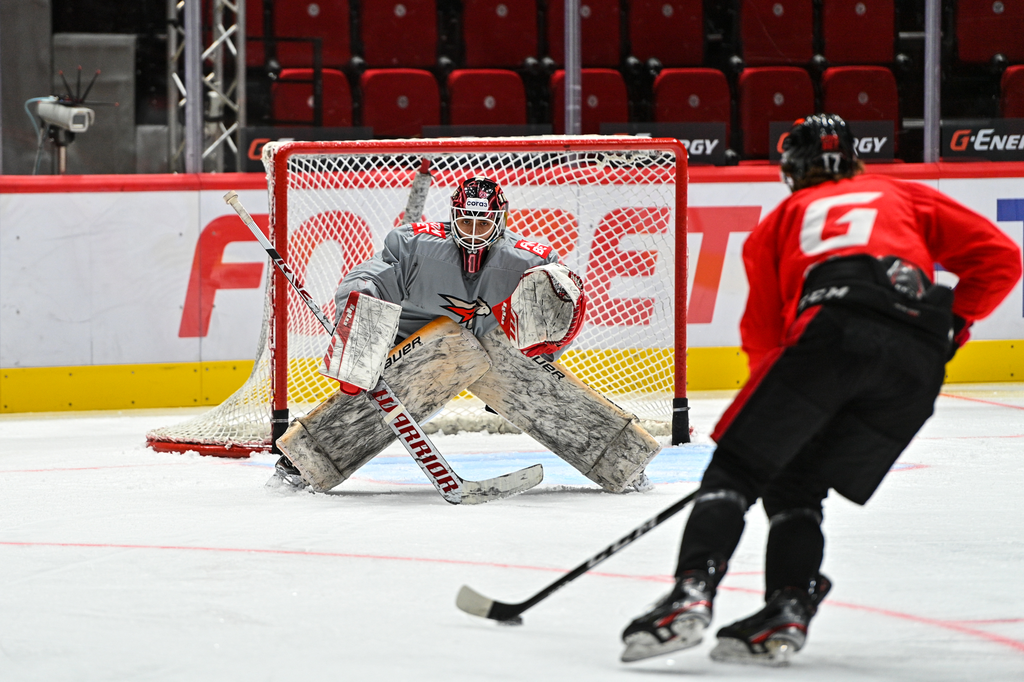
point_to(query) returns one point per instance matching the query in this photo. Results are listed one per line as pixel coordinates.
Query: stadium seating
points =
(599, 32)
(254, 51)
(770, 94)
(776, 31)
(292, 98)
(860, 93)
(399, 102)
(499, 33)
(985, 28)
(324, 19)
(399, 33)
(604, 100)
(1011, 103)
(858, 31)
(486, 97)
(692, 96)
(670, 31)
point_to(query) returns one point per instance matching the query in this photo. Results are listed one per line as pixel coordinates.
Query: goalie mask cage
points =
(613, 208)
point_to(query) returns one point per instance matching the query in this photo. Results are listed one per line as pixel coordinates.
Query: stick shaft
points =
(232, 200)
(501, 611)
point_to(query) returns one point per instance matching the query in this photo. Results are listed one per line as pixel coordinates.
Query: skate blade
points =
(641, 645)
(283, 485)
(778, 654)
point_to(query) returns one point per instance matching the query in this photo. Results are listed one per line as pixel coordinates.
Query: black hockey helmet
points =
(818, 147)
(479, 212)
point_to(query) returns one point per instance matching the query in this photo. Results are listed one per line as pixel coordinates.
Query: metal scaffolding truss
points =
(205, 112)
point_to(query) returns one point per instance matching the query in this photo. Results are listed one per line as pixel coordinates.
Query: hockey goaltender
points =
(476, 307)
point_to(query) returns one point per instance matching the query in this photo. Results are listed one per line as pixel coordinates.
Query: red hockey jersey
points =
(879, 216)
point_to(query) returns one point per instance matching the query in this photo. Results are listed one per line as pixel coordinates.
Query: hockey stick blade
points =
(452, 487)
(476, 604)
(507, 485)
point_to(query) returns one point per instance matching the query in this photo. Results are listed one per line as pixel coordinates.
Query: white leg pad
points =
(345, 431)
(602, 441)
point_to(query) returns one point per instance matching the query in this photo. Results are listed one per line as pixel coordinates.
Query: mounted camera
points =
(69, 117)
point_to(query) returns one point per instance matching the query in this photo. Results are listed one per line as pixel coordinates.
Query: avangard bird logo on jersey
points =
(466, 312)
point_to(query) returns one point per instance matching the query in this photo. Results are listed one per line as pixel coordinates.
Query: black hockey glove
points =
(961, 332)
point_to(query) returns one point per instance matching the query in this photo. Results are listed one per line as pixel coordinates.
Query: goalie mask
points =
(818, 148)
(479, 212)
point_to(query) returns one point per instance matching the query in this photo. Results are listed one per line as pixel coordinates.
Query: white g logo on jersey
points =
(860, 220)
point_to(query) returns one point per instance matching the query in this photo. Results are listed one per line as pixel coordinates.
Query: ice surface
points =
(120, 563)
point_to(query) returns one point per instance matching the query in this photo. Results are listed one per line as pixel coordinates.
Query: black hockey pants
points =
(834, 410)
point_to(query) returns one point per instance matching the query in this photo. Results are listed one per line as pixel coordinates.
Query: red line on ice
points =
(979, 400)
(956, 626)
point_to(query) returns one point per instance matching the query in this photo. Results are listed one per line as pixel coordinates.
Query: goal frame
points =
(285, 151)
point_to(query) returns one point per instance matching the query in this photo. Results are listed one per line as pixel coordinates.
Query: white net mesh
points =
(610, 215)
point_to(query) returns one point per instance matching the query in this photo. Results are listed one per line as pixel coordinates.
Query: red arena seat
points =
(486, 97)
(399, 102)
(776, 31)
(692, 96)
(399, 32)
(292, 98)
(604, 100)
(599, 32)
(254, 51)
(985, 28)
(499, 33)
(860, 93)
(671, 31)
(1011, 104)
(324, 19)
(771, 94)
(859, 31)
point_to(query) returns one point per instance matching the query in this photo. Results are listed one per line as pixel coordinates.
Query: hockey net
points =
(614, 209)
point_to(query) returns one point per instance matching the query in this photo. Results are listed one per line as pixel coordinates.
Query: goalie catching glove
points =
(361, 341)
(545, 312)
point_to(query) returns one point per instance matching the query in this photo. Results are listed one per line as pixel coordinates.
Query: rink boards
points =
(99, 278)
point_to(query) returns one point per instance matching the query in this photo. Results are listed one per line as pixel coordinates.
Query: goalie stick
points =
(453, 488)
(474, 603)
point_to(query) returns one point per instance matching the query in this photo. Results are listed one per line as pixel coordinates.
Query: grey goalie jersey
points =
(420, 268)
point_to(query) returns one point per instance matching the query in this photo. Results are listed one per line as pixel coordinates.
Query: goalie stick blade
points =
(478, 492)
(476, 604)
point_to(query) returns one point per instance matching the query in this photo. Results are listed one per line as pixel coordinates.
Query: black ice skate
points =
(772, 635)
(286, 476)
(676, 622)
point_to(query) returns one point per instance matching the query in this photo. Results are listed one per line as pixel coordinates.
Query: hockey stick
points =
(418, 194)
(453, 488)
(474, 603)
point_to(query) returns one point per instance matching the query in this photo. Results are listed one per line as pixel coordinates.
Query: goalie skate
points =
(676, 622)
(286, 477)
(775, 633)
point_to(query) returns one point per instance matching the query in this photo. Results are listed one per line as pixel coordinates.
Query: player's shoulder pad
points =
(432, 229)
(536, 248)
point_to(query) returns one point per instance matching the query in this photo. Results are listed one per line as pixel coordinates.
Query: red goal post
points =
(614, 208)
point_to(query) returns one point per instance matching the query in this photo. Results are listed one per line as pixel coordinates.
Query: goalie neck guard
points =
(817, 149)
(479, 212)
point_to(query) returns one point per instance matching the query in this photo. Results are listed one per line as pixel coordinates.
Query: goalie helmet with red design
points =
(818, 148)
(479, 212)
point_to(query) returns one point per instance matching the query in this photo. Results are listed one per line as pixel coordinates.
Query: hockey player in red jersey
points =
(847, 338)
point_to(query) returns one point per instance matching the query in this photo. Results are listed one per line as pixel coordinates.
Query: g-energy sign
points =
(994, 140)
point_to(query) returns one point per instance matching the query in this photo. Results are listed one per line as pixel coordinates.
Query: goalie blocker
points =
(603, 442)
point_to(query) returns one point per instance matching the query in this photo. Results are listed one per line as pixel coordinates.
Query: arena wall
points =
(125, 291)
